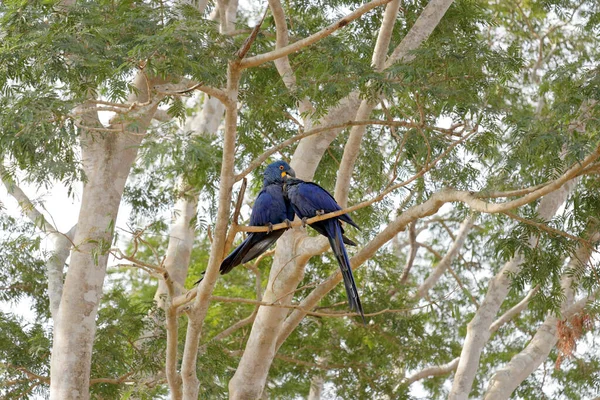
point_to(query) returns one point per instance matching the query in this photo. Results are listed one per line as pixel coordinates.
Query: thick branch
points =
(294, 47)
(200, 307)
(506, 380)
(28, 208)
(430, 17)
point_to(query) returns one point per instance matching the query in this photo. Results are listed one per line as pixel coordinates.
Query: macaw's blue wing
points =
(309, 199)
(270, 208)
(312, 198)
(254, 245)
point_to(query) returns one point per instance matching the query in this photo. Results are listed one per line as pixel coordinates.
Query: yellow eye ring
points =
(281, 167)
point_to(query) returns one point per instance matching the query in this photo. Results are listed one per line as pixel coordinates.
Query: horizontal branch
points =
(294, 47)
(438, 370)
(296, 138)
(308, 312)
(114, 381)
(170, 89)
(366, 203)
(427, 208)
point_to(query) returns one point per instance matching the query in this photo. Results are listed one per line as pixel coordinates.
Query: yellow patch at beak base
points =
(283, 174)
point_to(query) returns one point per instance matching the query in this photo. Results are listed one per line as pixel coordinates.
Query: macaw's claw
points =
(270, 226)
(288, 223)
(304, 222)
(320, 212)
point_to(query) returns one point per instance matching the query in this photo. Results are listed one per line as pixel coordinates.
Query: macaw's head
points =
(277, 172)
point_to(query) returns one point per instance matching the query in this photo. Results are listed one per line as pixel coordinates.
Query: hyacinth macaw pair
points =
(282, 196)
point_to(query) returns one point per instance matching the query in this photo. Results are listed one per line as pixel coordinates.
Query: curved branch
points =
(438, 370)
(510, 314)
(445, 263)
(299, 45)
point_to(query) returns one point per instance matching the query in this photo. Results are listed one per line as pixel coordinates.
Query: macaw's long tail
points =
(336, 240)
(254, 245)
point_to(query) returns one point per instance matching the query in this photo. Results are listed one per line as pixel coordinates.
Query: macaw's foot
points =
(320, 212)
(288, 223)
(304, 222)
(270, 226)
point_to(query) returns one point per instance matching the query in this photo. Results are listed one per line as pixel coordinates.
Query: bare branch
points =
(430, 18)
(412, 239)
(438, 370)
(28, 208)
(445, 263)
(114, 381)
(478, 329)
(312, 313)
(198, 311)
(294, 47)
(241, 53)
(515, 310)
(171, 89)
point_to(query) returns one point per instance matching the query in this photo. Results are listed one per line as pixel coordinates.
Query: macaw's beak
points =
(291, 173)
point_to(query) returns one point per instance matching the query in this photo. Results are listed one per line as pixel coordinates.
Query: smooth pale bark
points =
(507, 379)
(182, 234)
(445, 262)
(286, 272)
(445, 369)
(424, 26)
(478, 329)
(61, 242)
(61, 249)
(249, 379)
(107, 159)
(199, 309)
(438, 370)
(181, 241)
(316, 387)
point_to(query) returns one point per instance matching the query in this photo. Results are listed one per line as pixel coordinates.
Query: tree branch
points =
(186, 86)
(430, 18)
(438, 370)
(515, 310)
(294, 47)
(412, 239)
(445, 263)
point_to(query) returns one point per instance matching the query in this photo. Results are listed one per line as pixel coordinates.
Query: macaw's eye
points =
(281, 167)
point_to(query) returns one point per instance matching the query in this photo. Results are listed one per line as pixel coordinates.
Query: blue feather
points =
(270, 207)
(308, 199)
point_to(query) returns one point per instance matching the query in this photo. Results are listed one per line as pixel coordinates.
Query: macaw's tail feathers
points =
(254, 245)
(321, 227)
(336, 240)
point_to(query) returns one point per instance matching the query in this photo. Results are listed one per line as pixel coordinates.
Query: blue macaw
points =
(309, 200)
(271, 207)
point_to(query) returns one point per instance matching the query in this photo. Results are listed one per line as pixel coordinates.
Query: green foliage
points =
(22, 276)
(480, 69)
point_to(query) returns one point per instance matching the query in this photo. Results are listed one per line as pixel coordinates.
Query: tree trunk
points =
(107, 160)
(287, 271)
